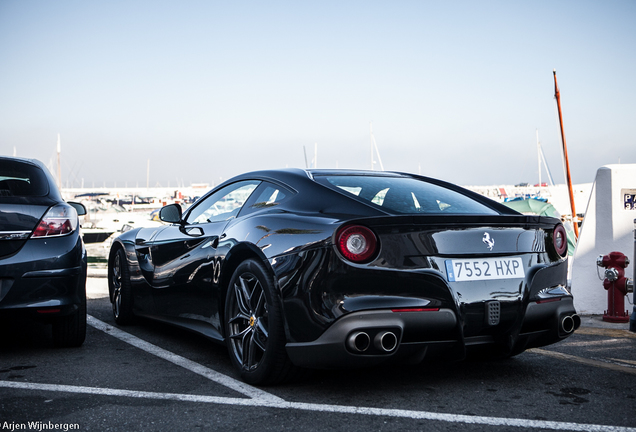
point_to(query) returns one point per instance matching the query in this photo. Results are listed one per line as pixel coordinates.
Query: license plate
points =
(484, 269)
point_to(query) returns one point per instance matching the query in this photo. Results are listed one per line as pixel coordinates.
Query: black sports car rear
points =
(344, 268)
(42, 257)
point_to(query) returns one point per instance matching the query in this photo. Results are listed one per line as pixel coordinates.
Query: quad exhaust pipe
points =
(359, 341)
(569, 323)
(384, 341)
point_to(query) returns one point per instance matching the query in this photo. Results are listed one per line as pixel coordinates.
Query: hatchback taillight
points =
(560, 240)
(357, 243)
(59, 220)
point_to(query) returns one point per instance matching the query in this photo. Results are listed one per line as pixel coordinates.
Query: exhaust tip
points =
(568, 324)
(577, 321)
(385, 341)
(359, 341)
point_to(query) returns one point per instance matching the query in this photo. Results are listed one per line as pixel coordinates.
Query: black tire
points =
(254, 327)
(119, 286)
(70, 331)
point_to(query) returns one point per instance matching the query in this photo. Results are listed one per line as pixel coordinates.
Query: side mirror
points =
(170, 213)
(79, 208)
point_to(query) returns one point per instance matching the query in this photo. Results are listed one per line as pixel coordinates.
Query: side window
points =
(267, 195)
(222, 204)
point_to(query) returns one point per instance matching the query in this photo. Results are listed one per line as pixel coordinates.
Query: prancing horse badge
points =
(490, 242)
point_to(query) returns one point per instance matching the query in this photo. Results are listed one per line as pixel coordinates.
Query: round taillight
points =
(357, 243)
(560, 239)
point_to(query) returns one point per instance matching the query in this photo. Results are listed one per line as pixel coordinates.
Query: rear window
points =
(19, 179)
(404, 195)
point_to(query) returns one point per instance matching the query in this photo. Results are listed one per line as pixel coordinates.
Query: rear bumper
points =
(422, 334)
(46, 278)
(336, 349)
(544, 322)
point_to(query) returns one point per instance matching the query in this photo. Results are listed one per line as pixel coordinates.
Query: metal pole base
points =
(616, 318)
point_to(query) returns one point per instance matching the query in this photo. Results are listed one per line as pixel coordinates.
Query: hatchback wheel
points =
(70, 330)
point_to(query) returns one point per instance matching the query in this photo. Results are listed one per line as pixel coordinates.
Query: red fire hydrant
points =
(617, 286)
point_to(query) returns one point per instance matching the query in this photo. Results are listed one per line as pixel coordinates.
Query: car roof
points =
(336, 172)
(23, 160)
(303, 181)
(293, 175)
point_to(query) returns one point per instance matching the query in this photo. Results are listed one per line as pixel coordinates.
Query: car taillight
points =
(560, 240)
(357, 243)
(59, 220)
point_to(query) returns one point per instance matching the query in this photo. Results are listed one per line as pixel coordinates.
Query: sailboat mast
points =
(557, 95)
(545, 165)
(371, 142)
(374, 145)
(539, 156)
(59, 165)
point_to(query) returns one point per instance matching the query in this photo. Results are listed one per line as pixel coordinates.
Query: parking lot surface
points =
(151, 376)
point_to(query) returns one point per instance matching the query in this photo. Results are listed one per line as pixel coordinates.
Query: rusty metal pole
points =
(557, 95)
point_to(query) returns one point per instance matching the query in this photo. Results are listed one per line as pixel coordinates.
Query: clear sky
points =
(210, 89)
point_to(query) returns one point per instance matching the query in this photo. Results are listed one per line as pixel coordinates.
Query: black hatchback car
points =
(42, 256)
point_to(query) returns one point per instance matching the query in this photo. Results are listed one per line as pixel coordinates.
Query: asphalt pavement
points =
(154, 377)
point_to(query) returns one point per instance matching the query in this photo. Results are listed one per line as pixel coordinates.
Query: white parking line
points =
(265, 403)
(260, 398)
(600, 363)
(197, 368)
(593, 343)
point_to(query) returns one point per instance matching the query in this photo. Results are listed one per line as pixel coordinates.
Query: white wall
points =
(607, 227)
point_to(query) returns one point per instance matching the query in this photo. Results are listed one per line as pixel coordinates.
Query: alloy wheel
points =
(116, 282)
(248, 325)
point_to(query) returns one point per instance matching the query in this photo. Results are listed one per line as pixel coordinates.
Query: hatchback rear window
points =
(19, 179)
(405, 195)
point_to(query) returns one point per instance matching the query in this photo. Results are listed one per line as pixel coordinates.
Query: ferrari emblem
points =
(490, 242)
(252, 321)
